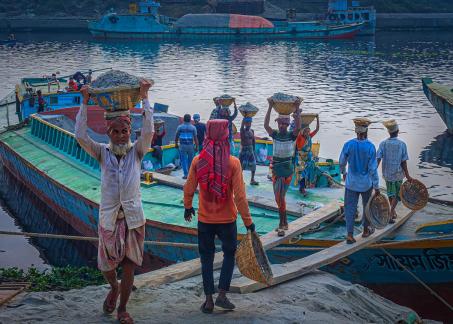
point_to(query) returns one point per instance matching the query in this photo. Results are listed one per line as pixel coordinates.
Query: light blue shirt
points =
(186, 132)
(360, 157)
(393, 152)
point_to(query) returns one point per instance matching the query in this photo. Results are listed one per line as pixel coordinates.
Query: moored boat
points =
(441, 97)
(47, 160)
(148, 24)
(339, 12)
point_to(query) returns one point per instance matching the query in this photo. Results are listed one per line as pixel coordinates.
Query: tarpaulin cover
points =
(242, 21)
(222, 20)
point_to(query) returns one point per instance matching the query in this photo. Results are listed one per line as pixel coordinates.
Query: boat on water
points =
(441, 97)
(45, 157)
(340, 12)
(10, 42)
(144, 22)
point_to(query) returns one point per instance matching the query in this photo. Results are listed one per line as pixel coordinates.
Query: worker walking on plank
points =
(282, 159)
(221, 195)
(121, 219)
(361, 177)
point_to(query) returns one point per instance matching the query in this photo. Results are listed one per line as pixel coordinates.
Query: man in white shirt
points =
(393, 154)
(121, 220)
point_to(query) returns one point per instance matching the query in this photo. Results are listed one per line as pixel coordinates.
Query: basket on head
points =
(252, 260)
(248, 110)
(414, 194)
(377, 211)
(284, 104)
(225, 100)
(158, 123)
(362, 121)
(307, 118)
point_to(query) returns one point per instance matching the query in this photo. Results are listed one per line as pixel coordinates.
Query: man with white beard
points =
(121, 220)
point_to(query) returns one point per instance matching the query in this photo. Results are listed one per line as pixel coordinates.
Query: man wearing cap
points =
(221, 195)
(247, 154)
(361, 177)
(393, 154)
(121, 225)
(282, 160)
(201, 130)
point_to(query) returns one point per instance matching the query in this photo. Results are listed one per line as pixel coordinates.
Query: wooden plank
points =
(294, 269)
(9, 290)
(261, 202)
(192, 268)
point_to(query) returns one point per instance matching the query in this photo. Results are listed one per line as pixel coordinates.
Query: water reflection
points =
(439, 151)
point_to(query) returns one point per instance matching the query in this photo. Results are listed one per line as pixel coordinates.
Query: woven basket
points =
(252, 260)
(414, 194)
(225, 102)
(285, 107)
(118, 98)
(307, 118)
(377, 211)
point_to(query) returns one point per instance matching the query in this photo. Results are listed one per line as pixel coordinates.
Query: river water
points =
(378, 78)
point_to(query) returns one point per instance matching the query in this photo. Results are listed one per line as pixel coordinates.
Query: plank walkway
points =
(261, 202)
(192, 268)
(9, 290)
(287, 271)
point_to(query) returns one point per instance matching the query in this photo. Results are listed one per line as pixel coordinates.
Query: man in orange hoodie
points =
(221, 196)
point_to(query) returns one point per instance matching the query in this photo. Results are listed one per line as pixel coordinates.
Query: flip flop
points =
(225, 303)
(368, 232)
(285, 227)
(254, 183)
(124, 318)
(110, 302)
(350, 240)
(206, 310)
(280, 232)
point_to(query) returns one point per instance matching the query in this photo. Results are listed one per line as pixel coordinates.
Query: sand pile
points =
(115, 78)
(315, 298)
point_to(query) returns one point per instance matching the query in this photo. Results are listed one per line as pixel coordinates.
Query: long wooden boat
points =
(47, 160)
(441, 97)
(145, 22)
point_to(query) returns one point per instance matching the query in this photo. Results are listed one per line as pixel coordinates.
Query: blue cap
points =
(248, 119)
(196, 116)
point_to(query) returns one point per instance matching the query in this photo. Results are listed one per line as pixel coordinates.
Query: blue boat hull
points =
(432, 261)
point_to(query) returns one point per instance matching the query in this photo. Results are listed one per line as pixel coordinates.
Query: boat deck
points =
(164, 203)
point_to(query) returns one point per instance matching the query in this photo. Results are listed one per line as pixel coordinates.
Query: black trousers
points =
(227, 233)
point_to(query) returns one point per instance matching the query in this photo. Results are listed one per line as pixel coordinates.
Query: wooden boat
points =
(47, 160)
(339, 12)
(148, 24)
(441, 97)
(10, 42)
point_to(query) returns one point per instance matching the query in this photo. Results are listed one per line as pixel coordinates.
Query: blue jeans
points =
(186, 157)
(227, 234)
(351, 200)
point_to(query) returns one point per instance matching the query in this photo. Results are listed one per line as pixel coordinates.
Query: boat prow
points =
(441, 97)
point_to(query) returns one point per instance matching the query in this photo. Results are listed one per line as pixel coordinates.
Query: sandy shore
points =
(316, 298)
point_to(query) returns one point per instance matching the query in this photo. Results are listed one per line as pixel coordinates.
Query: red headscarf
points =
(213, 164)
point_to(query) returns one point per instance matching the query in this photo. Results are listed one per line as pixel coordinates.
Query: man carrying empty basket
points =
(221, 196)
(121, 219)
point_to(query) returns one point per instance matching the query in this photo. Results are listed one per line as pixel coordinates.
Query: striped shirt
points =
(186, 132)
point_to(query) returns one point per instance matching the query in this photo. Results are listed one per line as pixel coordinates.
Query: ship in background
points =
(144, 22)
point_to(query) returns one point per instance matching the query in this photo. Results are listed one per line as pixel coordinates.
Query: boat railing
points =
(8, 111)
(61, 139)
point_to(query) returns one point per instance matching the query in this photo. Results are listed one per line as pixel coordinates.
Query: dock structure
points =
(287, 271)
(192, 268)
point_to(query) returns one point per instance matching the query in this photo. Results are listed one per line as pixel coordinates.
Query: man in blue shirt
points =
(359, 154)
(201, 130)
(186, 137)
(393, 153)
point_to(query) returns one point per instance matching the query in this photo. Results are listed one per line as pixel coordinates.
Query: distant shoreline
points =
(385, 21)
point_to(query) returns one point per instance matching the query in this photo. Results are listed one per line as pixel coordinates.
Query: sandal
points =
(280, 232)
(367, 232)
(285, 227)
(206, 310)
(125, 318)
(254, 183)
(110, 302)
(350, 240)
(224, 303)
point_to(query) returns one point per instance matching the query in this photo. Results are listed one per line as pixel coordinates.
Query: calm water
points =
(376, 77)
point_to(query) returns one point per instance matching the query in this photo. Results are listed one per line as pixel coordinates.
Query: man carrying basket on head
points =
(221, 195)
(282, 160)
(121, 220)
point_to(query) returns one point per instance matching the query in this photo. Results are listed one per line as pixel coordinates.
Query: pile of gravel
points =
(248, 107)
(283, 97)
(115, 78)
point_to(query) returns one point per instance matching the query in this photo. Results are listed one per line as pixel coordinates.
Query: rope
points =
(443, 301)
